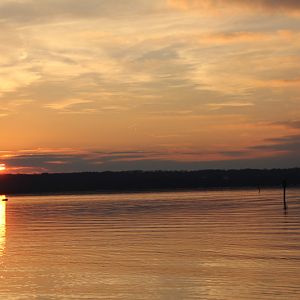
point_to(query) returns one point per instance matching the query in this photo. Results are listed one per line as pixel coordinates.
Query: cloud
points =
(282, 83)
(13, 106)
(31, 11)
(139, 160)
(290, 124)
(220, 38)
(233, 104)
(71, 105)
(67, 160)
(289, 144)
(236, 154)
(219, 5)
(286, 148)
(275, 152)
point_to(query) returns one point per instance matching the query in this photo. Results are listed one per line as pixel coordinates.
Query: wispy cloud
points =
(32, 11)
(281, 152)
(289, 124)
(229, 105)
(70, 105)
(219, 5)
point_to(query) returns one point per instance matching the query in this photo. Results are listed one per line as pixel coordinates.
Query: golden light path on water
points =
(2, 225)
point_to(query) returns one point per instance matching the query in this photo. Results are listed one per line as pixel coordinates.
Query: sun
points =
(2, 167)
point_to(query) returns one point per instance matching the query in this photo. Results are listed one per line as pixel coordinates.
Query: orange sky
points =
(137, 84)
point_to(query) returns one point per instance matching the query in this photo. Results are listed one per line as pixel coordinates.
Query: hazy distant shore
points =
(145, 182)
(140, 181)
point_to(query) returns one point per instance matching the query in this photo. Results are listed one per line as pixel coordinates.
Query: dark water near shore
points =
(185, 245)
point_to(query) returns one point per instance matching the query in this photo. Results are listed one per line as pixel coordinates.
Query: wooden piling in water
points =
(284, 185)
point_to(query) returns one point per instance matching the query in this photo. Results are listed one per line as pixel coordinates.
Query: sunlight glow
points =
(2, 224)
(2, 167)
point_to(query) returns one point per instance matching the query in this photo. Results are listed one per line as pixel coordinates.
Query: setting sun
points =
(2, 167)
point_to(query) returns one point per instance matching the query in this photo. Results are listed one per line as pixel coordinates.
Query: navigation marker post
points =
(284, 185)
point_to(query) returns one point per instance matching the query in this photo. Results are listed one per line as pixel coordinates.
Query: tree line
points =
(145, 180)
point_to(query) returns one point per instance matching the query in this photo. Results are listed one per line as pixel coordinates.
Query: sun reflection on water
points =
(2, 226)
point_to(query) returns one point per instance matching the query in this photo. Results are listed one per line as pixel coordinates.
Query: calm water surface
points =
(185, 245)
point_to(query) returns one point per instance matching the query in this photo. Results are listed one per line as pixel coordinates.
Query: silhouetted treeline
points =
(145, 181)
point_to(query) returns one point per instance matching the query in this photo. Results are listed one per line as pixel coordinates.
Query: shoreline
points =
(148, 191)
(146, 181)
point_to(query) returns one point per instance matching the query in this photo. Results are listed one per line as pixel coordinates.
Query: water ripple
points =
(183, 245)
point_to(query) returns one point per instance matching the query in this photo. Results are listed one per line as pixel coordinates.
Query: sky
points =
(101, 85)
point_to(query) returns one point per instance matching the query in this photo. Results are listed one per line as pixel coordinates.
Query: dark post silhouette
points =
(284, 185)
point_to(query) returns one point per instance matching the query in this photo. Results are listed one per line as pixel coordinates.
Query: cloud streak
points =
(33, 11)
(219, 5)
(279, 151)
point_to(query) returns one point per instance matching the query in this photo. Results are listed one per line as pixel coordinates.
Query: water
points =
(185, 245)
